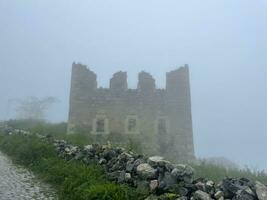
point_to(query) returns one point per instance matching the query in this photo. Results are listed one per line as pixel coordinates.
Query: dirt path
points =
(17, 183)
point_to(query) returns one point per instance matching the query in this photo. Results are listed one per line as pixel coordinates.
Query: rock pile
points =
(158, 178)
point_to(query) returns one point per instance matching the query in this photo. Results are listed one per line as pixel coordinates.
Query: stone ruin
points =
(158, 121)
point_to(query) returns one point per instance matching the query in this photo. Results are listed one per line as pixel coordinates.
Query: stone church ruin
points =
(158, 121)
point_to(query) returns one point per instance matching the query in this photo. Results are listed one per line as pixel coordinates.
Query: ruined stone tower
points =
(158, 121)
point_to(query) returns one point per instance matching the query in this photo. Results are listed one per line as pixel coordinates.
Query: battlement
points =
(119, 83)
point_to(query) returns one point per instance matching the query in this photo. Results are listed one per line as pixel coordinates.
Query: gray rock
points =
(182, 191)
(129, 166)
(201, 186)
(102, 161)
(183, 173)
(157, 161)
(168, 182)
(218, 194)
(67, 149)
(261, 191)
(125, 157)
(169, 196)
(249, 191)
(181, 198)
(210, 187)
(88, 147)
(109, 154)
(138, 162)
(243, 195)
(143, 187)
(153, 185)
(152, 197)
(146, 171)
(122, 177)
(128, 177)
(230, 187)
(79, 156)
(200, 195)
(113, 176)
(210, 183)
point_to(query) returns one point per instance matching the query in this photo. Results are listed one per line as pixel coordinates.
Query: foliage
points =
(56, 130)
(217, 173)
(134, 145)
(74, 180)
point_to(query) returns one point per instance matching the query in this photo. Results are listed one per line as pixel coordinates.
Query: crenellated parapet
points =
(177, 79)
(118, 82)
(146, 83)
(83, 76)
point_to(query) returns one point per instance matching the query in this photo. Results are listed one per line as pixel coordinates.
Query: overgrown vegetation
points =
(217, 173)
(77, 180)
(58, 130)
(73, 180)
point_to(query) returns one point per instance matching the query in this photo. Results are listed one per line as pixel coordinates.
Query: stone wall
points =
(158, 119)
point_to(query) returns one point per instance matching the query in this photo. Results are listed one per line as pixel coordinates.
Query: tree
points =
(34, 107)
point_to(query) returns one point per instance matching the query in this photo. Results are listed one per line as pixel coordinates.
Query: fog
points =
(224, 42)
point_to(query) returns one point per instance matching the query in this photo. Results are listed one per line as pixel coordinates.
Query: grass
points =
(217, 173)
(79, 181)
(58, 130)
(73, 180)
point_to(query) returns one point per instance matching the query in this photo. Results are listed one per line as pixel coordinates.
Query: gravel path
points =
(17, 183)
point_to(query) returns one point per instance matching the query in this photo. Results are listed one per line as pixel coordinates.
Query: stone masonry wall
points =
(159, 120)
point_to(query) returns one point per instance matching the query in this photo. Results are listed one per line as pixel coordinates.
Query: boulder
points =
(200, 195)
(88, 147)
(157, 161)
(167, 182)
(261, 191)
(183, 173)
(153, 185)
(128, 177)
(218, 194)
(145, 171)
(129, 166)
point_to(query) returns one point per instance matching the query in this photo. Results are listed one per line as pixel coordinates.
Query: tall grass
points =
(217, 173)
(56, 130)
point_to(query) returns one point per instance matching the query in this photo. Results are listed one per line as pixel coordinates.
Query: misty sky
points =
(223, 41)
